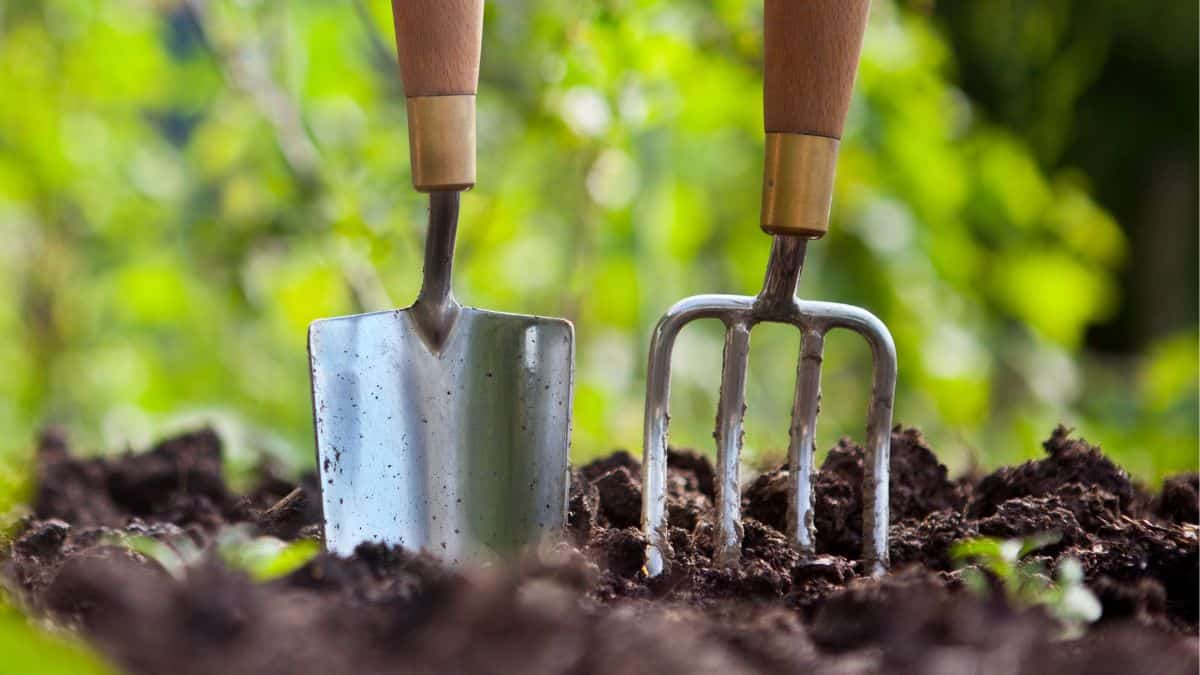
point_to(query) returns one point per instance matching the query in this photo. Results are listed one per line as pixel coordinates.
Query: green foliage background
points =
(184, 185)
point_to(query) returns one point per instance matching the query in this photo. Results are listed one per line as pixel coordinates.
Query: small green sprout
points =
(1026, 582)
(263, 558)
(175, 555)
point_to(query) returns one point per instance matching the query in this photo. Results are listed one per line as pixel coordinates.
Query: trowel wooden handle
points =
(438, 43)
(811, 56)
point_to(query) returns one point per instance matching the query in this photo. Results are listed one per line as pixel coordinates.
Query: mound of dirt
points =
(918, 485)
(1069, 461)
(585, 606)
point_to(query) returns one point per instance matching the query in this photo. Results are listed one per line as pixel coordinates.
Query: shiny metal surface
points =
(731, 413)
(775, 303)
(442, 427)
(803, 442)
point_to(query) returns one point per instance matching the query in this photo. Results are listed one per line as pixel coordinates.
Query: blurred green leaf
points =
(1172, 371)
(264, 558)
(1054, 293)
(1024, 581)
(28, 649)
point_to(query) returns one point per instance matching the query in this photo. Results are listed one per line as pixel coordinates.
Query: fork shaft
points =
(803, 442)
(778, 295)
(731, 411)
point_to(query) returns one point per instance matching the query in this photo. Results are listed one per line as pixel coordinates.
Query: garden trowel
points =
(441, 427)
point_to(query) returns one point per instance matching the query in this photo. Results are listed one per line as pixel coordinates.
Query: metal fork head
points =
(775, 303)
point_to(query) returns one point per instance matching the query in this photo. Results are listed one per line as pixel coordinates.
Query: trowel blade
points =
(462, 451)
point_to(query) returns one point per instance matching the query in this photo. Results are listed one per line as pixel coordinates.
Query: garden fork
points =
(811, 54)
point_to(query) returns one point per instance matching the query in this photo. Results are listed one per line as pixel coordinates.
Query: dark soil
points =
(584, 606)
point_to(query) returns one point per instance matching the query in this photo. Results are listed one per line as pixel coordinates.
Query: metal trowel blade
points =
(460, 451)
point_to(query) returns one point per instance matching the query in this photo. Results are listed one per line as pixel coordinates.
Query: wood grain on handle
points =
(811, 56)
(438, 45)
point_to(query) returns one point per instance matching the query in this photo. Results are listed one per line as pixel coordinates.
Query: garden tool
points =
(811, 54)
(441, 427)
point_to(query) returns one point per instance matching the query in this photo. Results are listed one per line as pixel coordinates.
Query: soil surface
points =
(584, 605)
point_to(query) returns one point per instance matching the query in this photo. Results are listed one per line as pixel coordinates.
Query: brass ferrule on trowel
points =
(798, 184)
(441, 140)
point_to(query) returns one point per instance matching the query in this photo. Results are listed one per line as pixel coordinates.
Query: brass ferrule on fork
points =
(441, 140)
(798, 184)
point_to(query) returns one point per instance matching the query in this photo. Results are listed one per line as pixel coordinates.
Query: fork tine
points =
(803, 441)
(879, 444)
(654, 443)
(731, 413)
(827, 315)
(657, 420)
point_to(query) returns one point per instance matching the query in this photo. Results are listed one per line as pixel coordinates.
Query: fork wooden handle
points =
(438, 43)
(811, 56)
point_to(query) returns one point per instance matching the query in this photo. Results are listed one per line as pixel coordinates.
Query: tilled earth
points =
(584, 606)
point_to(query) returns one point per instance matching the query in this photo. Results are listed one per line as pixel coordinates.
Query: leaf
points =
(1056, 294)
(985, 548)
(264, 558)
(1172, 370)
(1040, 540)
(27, 649)
(1078, 604)
(175, 557)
